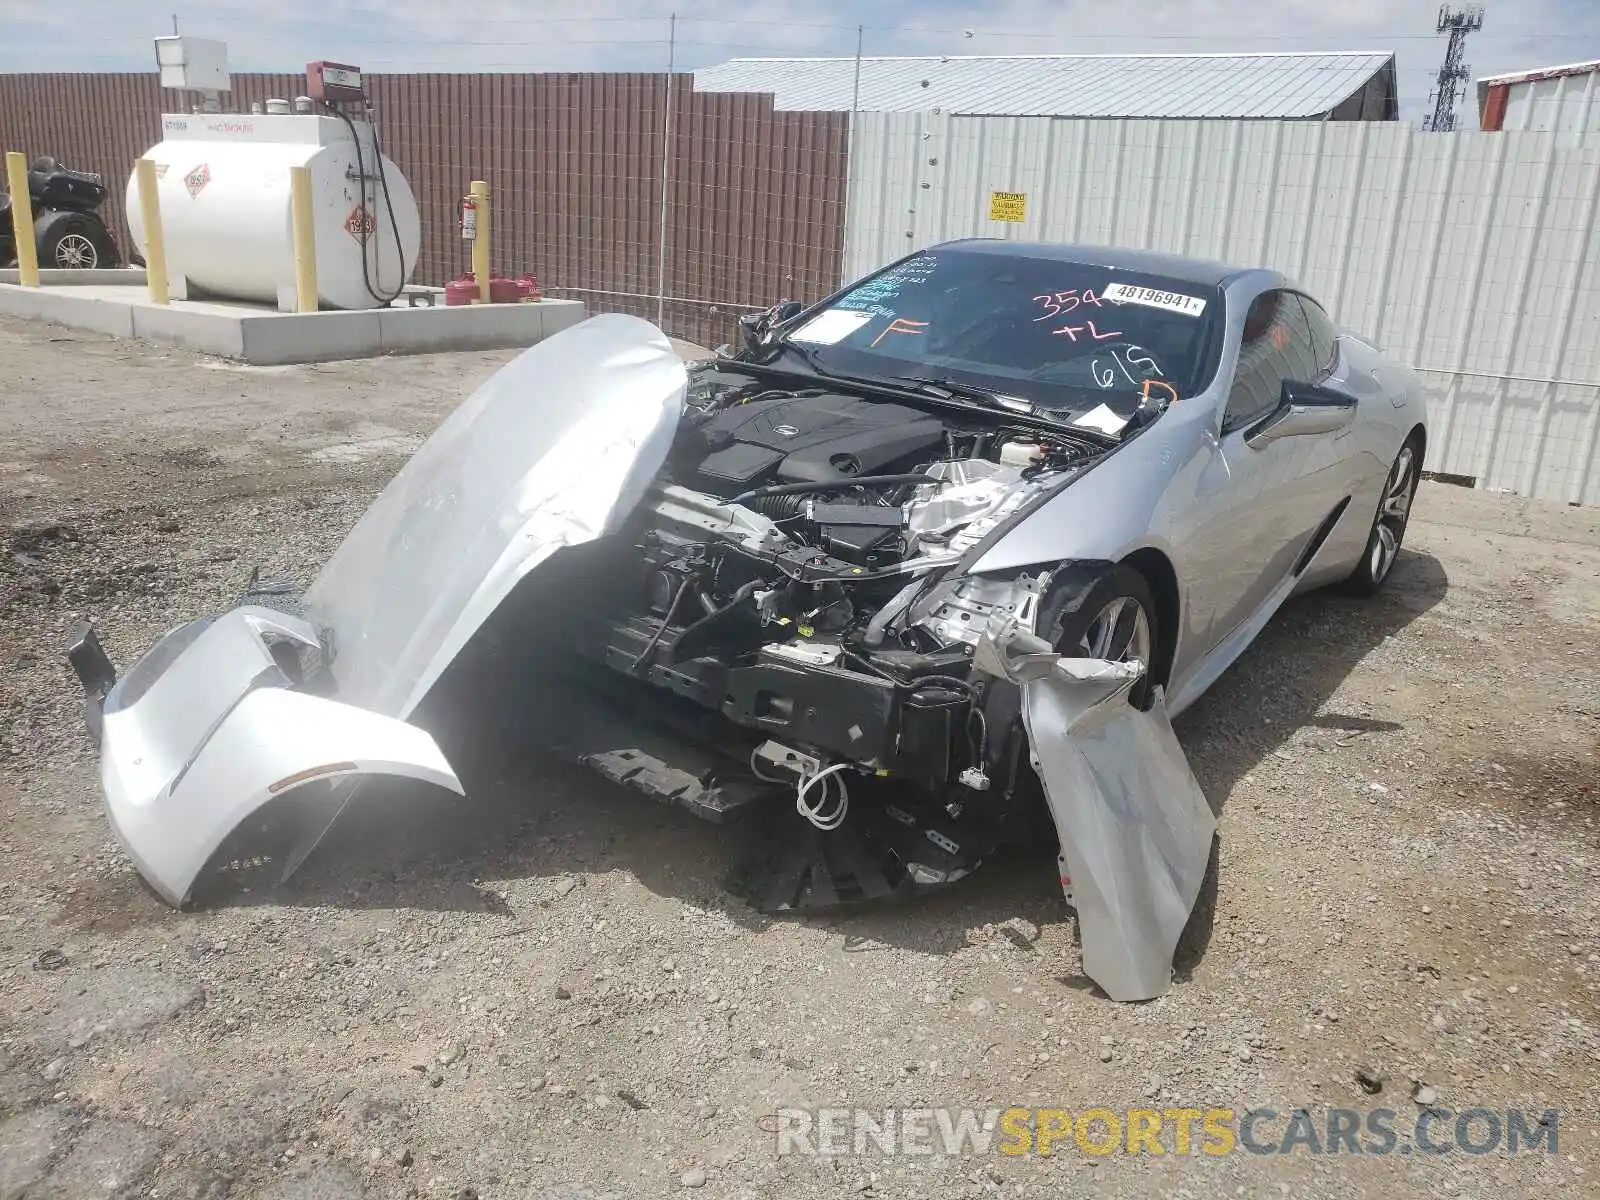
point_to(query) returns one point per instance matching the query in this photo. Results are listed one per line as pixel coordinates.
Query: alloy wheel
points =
(1119, 632)
(75, 252)
(1393, 513)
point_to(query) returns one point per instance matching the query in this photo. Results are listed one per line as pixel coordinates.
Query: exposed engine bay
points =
(796, 572)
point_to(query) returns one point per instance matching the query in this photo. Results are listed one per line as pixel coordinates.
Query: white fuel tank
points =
(224, 185)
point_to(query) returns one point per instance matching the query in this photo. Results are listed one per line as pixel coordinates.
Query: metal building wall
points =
(755, 199)
(1561, 102)
(1472, 257)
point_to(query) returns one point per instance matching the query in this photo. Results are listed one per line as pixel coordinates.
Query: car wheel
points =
(1103, 612)
(1388, 523)
(77, 243)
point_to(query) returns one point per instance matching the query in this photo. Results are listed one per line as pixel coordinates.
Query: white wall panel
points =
(1472, 257)
(1564, 104)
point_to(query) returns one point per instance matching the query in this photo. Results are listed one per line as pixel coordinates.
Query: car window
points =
(1324, 336)
(1068, 337)
(1276, 346)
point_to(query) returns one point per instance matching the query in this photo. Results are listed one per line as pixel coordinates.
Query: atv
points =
(66, 227)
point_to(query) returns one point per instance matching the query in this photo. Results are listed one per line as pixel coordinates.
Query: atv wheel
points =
(78, 242)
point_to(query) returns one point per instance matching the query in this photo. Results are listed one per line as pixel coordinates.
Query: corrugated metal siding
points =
(1078, 85)
(1564, 104)
(1473, 257)
(755, 205)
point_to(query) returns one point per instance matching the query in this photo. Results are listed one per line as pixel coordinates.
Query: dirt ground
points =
(546, 990)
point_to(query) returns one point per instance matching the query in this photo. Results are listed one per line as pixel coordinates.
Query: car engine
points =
(791, 569)
(868, 481)
(787, 606)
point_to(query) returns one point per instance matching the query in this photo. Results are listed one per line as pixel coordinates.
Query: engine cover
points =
(813, 439)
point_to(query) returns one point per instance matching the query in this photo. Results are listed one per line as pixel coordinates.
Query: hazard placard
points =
(359, 224)
(1008, 206)
(197, 179)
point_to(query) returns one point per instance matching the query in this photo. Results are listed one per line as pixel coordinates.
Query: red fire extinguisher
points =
(469, 218)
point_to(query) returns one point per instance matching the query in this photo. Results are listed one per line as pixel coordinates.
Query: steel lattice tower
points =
(1453, 72)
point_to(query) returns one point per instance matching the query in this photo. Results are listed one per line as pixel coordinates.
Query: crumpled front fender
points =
(1134, 826)
(204, 731)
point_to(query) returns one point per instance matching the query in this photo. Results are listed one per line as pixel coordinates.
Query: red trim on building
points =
(1493, 116)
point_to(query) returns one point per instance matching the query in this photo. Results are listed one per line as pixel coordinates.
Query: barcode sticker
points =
(1128, 293)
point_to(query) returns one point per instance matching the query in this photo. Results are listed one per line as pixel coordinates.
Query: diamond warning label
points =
(360, 224)
(197, 179)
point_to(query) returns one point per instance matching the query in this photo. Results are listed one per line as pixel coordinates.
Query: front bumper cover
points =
(208, 726)
(204, 731)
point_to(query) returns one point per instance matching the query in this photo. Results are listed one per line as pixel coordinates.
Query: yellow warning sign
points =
(1008, 206)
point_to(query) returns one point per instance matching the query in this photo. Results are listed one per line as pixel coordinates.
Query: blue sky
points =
(402, 35)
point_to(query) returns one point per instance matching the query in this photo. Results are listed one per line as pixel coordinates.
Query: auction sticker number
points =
(828, 328)
(1128, 293)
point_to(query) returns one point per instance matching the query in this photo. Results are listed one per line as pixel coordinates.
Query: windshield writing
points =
(1062, 335)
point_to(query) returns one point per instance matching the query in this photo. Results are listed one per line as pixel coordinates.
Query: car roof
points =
(1150, 262)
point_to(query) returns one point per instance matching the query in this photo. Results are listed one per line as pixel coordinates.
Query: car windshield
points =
(1067, 337)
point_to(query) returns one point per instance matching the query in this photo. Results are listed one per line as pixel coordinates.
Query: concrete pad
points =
(55, 276)
(183, 325)
(561, 314)
(309, 337)
(67, 308)
(463, 327)
(262, 336)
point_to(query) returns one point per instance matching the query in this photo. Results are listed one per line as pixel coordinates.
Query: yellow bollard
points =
(305, 240)
(155, 244)
(480, 246)
(22, 219)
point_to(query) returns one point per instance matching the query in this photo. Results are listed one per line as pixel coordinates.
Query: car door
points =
(1258, 506)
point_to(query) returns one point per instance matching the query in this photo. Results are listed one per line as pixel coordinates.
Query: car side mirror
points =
(755, 329)
(1303, 409)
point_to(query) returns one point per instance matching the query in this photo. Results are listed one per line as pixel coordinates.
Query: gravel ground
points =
(547, 991)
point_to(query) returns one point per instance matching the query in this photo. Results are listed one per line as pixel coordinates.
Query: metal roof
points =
(1065, 85)
(1541, 73)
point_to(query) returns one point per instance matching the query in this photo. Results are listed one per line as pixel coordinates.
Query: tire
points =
(1076, 610)
(1389, 523)
(76, 241)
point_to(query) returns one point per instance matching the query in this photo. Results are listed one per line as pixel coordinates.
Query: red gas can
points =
(501, 290)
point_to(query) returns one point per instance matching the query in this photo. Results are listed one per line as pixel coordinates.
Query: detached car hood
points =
(552, 451)
(208, 726)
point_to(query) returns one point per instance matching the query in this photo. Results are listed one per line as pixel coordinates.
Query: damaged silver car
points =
(925, 564)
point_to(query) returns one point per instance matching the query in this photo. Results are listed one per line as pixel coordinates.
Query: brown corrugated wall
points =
(755, 206)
